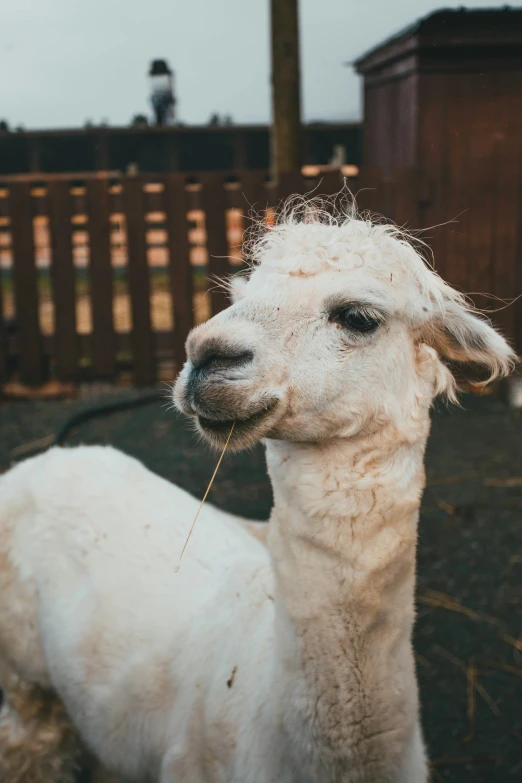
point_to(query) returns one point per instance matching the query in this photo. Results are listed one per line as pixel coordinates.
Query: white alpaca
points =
(291, 664)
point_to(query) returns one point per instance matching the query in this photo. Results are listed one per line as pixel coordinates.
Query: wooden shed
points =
(449, 85)
(444, 97)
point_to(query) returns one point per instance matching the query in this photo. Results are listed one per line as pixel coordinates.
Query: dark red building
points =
(444, 97)
(444, 90)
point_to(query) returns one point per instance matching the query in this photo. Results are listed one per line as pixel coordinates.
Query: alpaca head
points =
(340, 326)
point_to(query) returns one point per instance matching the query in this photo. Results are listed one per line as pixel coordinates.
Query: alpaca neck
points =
(343, 539)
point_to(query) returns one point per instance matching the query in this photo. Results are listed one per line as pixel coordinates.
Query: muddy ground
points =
(469, 629)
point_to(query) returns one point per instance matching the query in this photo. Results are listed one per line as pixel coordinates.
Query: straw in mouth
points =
(205, 495)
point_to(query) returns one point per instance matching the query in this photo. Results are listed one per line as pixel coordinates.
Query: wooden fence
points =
(107, 274)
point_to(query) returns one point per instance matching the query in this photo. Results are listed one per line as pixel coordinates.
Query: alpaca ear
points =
(460, 335)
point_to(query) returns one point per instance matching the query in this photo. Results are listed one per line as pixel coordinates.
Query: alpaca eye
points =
(356, 320)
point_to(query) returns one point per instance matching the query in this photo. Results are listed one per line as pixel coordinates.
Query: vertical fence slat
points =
(63, 279)
(215, 205)
(3, 336)
(29, 343)
(290, 183)
(330, 183)
(179, 264)
(100, 270)
(254, 198)
(139, 283)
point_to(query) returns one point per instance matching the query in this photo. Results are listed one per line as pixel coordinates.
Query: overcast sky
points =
(63, 62)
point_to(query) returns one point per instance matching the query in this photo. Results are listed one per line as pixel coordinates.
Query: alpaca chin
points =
(246, 432)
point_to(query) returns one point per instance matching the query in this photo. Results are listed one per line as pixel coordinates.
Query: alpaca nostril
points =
(222, 357)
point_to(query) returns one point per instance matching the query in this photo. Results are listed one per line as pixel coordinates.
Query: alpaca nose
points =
(217, 355)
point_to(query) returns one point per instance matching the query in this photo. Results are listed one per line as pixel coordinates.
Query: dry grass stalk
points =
(39, 443)
(443, 480)
(447, 507)
(441, 600)
(516, 643)
(206, 494)
(471, 760)
(422, 660)
(449, 657)
(514, 481)
(487, 698)
(471, 675)
(501, 667)
(480, 689)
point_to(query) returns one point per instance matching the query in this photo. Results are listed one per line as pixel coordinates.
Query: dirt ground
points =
(469, 630)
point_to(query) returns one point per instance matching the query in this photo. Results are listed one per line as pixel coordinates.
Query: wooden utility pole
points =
(286, 98)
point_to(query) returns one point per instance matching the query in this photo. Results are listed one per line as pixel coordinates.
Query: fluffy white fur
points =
(286, 664)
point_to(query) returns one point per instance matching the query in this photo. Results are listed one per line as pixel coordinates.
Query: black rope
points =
(103, 410)
(106, 409)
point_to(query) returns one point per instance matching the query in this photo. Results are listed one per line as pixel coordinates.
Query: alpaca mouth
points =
(223, 426)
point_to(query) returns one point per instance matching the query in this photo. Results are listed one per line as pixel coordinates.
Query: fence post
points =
(103, 351)
(215, 205)
(286, 99)
(139, 283)
(179, 264)
(63, 277)
(29, 342)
